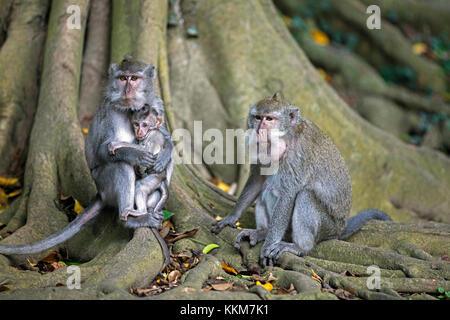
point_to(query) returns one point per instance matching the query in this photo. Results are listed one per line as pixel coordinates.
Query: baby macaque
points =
(150, 137)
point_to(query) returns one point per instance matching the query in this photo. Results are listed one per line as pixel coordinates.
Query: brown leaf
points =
(271, 277)
(178, 236)
(52, 257)
(291, 290)
(222, 286)
(4, 288)
(3, 200)
(165, 230)
(347, 273)
(174, 275)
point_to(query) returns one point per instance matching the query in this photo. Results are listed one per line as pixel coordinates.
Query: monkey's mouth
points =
(141, 138)
(128, 101)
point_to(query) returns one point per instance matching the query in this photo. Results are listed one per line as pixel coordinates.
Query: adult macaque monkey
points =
(130, 87)
(308, 199)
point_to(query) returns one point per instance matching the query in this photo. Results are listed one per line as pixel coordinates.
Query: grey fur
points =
(311, 192)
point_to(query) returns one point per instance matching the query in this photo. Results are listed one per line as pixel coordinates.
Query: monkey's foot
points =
(227, 221)
(124, 215)
(270, 254)
(146, 220)
(253, 235)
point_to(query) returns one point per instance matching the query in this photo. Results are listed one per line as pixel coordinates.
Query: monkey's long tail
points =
(62, 235)
(164, 248)
(356, 222)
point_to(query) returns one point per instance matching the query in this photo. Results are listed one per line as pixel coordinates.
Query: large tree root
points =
(20, 61)
(95, 60)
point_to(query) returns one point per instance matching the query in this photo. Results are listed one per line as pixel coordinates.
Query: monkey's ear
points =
(112, 69)
(150, 71)
(294, 116)
(276, 97)
(127, 58)
(159, 121)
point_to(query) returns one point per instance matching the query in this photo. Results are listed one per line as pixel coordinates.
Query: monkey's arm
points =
(251, 191)
(132, 154)
(165, 155)
(278, 225)
(113, 146)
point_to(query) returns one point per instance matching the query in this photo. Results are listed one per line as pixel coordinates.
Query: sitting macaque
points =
(150, 137)
(305, 201)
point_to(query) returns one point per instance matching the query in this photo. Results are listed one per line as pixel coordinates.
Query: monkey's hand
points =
(227, 221)
(135, 157)
(253, 235)
(112, 146)
(159, 216)
(271, 253)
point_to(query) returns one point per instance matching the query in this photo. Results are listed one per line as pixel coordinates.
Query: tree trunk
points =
(242, 53)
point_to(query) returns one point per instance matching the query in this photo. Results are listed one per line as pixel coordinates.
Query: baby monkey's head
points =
(144, 121)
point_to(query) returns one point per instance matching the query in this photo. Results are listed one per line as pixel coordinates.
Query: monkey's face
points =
(129, 85)
(144, 122)
(264, 124)
(141, 129)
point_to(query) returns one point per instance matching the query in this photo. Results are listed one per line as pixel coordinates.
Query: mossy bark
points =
(20, 62)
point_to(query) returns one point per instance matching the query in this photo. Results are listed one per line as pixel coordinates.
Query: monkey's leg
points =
(149, 219)
(152, 202)
(115, 183)
(162, 201)
(144, 188)
(305, 226)
(124, 190)
(262, 223)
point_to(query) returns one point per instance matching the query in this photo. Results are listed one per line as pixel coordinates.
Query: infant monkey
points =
(146, 124)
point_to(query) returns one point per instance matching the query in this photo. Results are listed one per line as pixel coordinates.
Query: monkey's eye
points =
(136, 124)
(145, 124)
(123, 78)
(133, 78)
(269, 118)
(258, 117)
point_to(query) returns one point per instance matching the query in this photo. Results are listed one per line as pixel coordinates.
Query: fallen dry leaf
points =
(222, 286)
(4, 181)
(228, 268)
(177, 236)
(268, 286)
(52, 257)
(174, 275)
(78, 207)
(320, 37)
(3, 200)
